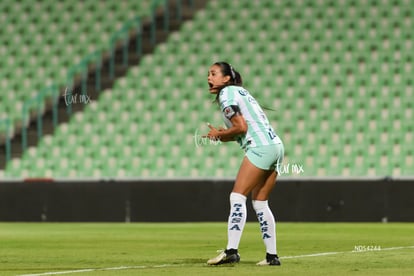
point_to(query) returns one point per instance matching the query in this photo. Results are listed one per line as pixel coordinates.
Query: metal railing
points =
(6, 128)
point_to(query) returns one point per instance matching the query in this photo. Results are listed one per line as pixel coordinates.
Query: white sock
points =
(267, 225)
(237, 220)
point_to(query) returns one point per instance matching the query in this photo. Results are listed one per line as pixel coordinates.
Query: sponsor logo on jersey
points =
(242, 92)
(229, 112)
(251, 100)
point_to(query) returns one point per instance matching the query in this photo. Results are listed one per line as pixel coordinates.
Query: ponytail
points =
(235, 78)
(228, 70)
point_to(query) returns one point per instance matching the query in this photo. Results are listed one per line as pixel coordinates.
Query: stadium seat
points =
(338, 74)
(42, 46)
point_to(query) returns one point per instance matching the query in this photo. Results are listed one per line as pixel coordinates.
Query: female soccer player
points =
(248, 125)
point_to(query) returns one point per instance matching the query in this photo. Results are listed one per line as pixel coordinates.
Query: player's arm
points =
(239, 125)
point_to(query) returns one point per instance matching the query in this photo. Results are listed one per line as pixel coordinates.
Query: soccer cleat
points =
(270, 260)
(225, 257)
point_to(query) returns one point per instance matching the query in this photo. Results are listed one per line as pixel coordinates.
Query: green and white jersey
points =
(233, 99)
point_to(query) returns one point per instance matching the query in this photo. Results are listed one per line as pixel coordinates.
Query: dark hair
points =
(228, 70)
(235, 77)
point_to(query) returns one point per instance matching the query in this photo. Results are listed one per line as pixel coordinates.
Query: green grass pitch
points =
(183, 249)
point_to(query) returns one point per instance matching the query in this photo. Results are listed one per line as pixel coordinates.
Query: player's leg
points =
(262, 190)
(272, 159)
(247, 178)
(260, 195)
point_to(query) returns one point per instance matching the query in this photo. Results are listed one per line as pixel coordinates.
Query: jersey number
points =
(271, 133)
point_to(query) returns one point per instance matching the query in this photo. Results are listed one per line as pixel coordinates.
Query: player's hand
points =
(214, 133)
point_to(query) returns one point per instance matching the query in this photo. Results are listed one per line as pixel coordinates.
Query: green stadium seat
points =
(328, 68)
(45, 45)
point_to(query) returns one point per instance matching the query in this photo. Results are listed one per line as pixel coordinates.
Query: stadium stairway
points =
(189, 8)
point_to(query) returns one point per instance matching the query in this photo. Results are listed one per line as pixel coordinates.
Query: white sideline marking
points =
(172, 265)
(100, 269)
(312, 255)
(342, 252)
(396, 248)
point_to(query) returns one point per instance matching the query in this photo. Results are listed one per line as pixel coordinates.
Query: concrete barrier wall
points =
(203, 200)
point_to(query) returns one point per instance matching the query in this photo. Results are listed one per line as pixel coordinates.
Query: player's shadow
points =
(192, 261)
(203, 262)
